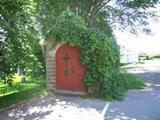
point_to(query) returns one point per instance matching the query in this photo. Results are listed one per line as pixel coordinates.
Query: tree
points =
(18, 37)
(102, 14)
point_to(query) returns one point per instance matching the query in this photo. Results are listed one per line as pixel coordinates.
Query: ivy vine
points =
(99, 53)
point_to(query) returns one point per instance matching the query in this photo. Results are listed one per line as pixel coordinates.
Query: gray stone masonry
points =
(50, 66)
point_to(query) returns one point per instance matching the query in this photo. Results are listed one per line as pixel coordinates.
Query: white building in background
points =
(128, 56)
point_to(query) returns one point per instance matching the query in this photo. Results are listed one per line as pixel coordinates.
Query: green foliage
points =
(49, 10)
(132, 81)
(99, 53)
(131, 15)
(142, 3)
(18, 39)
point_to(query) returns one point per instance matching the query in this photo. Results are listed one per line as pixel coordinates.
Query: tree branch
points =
(97, 7)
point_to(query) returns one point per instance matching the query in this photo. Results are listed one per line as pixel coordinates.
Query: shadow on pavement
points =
(139, 104)
(55, 107)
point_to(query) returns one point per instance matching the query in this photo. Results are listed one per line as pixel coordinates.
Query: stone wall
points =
(50, 66)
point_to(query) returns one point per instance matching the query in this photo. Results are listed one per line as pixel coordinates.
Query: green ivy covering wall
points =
(99, 53)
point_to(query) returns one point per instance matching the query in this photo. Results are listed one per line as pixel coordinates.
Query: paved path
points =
(56, 107)
(137, 105)
(140, 104)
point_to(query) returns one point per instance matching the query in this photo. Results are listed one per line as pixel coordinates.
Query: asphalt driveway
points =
(137, 105)
(57, 107)
(140, 104)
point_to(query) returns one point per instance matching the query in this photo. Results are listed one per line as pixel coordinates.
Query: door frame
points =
(51, 69)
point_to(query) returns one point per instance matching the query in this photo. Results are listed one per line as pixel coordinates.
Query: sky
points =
(141, 42)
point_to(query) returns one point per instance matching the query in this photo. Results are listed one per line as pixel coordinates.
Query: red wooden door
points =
(69, 70)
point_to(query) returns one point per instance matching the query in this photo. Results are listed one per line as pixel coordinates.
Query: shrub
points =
(131, 81)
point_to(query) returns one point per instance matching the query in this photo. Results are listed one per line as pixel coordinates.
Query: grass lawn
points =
(132, 81)
(21, 90)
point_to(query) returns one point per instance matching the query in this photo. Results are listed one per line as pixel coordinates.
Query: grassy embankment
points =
(19, 90)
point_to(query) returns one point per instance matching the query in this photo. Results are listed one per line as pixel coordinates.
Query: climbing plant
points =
(99, 53)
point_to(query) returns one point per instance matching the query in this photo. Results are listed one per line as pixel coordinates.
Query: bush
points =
(132, 81)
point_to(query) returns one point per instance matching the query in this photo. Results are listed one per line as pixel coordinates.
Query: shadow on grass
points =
(10, 99)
